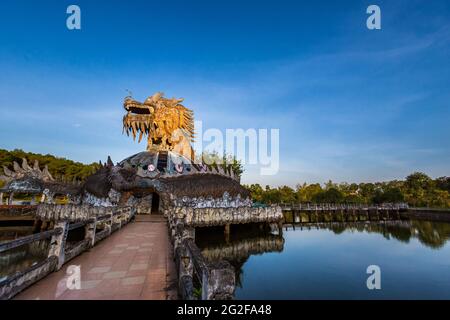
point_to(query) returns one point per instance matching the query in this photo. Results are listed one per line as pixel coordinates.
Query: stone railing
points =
(98, 223)
(342, 206)
(199, 217)
(75, 213)
(14, 212)
(217, 279)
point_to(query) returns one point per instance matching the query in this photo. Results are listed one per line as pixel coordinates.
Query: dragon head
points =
(159, 119)
(136, 107)
(139, 118)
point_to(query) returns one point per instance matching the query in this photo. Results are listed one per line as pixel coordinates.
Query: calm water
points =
(23, 257)
(329, 261)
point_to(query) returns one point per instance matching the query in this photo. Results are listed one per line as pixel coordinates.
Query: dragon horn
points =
(109, 162)
(8, 172)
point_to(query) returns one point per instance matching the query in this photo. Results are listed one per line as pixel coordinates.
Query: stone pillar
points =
(58, 243)
(90, 230)
(125, 216)
(149, 198)
(121, 218)
(227, 232)
(109, 222)
(1, 198)
(221, 282)
(11, 198)
(280, 228)
(181, 233)
(37, 225)
(118, 219)
(185, 273)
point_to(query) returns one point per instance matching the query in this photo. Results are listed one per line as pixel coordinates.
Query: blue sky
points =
(351, 104)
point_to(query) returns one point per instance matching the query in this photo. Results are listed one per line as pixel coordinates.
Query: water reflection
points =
(239, 248)
(243, 243)
(431, 234)
(23, 257)
(328, 260)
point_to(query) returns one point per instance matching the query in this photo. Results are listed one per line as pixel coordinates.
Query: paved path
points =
(133, 263)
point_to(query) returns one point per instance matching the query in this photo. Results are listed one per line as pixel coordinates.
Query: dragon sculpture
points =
(166, 122)
(25, 170)
(34, 180)
(166, 168)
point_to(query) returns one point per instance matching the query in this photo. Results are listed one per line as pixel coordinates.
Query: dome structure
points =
(167, 164)
(158, 163)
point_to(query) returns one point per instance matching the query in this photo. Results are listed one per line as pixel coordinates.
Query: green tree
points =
(331, 195)
(306, 193)
(256, 192)
(443, 183)
(287, 194)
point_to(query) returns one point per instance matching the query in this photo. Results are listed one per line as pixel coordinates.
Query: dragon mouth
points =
(139, 119)
(136, 107)
(135, 124)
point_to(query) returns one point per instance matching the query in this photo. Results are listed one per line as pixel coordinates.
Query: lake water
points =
(21, 258)
(329, 261)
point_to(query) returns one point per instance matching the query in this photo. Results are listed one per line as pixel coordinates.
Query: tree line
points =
(60, 168)
(418, 190)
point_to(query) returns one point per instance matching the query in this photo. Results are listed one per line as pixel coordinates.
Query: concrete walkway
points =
(133, 263)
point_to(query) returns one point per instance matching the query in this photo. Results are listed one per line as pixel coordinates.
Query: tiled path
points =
(133, 263)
